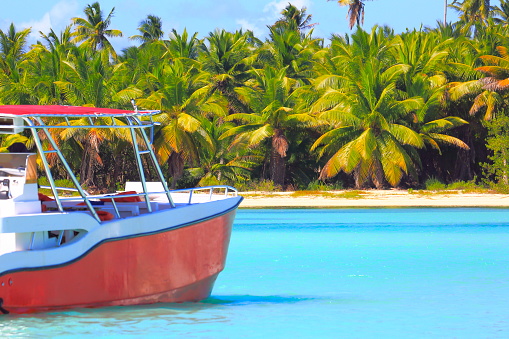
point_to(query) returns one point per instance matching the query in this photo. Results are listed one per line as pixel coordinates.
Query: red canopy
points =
(59, 110)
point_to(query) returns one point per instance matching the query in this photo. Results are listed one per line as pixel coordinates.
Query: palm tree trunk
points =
(505, 179)
(85, 163)
(378, 177)
(175, 168)
(221, 161)
(277, 157)
(359, 182)
(277, 168)
(463, 166)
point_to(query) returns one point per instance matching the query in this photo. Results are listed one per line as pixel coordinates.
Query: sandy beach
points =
(373, 198)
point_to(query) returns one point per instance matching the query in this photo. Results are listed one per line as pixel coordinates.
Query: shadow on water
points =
(130, 319)
(251, 299)
(161, 308)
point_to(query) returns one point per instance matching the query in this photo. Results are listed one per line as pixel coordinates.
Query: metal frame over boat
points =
(159, 245)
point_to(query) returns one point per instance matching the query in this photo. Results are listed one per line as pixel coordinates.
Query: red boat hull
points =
(175, 265)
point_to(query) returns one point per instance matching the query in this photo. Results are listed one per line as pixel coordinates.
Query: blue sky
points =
(203, 16)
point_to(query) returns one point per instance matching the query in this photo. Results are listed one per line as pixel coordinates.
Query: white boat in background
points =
(146, 245)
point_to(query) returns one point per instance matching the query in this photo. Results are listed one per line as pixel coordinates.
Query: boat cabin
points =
(30, 220)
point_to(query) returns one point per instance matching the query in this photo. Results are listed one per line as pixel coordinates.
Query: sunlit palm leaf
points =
(495, 71)
(458, 90)
(443, 124)
(449, 140)
(260, 134)
(240, 130)
(406, 135)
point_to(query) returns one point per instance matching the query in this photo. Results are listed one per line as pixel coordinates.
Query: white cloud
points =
(248, 26)
(57, 18)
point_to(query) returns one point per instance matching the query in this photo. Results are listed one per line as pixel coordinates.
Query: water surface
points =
(329, 273)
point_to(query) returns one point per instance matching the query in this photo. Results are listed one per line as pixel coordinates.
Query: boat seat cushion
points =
(126, 199)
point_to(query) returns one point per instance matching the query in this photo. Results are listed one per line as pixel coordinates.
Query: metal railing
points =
(223, 191)
(227, 191)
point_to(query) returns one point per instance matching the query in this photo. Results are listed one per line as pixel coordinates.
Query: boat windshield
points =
(19, 165)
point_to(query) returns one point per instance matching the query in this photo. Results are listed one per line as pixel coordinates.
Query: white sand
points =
(376, 198)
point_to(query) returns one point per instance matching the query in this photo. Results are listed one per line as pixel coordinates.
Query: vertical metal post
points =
(60, 237)
(32, 241)
(47, 169)
(156, 163)
(69, 171)
(140, 164)
(445, 13)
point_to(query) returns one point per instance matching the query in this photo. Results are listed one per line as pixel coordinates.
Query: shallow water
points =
(329, 273)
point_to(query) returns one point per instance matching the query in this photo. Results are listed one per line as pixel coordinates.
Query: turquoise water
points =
(330, 273)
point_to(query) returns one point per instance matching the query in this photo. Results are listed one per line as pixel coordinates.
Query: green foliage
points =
(353, 194)
(259, 185)
(372, 109)
(319, 185)
(434, 184)
(43, 181)
(349, 194)
(465, 186)
(498, 143)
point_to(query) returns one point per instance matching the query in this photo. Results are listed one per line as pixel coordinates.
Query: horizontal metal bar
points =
(78, 126)
(228, 189)
(79, 115)
(64, 189)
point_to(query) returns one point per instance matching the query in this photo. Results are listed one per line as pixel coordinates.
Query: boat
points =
(68, 249)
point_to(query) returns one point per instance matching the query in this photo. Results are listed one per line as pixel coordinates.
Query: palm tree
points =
(7, 140)
(16, 85)
(495, 84)
(224, 162)
(273, 100)
(355, 11)
(12, 42)
(150, 29)
(425, 79)
(290, 49)
(446, 31)
(493, 100)
(47, 64)
(501, 14)
(182, 96)
(366, 111)
(228, 58)
(182, 45)
(92, 81)
(472, 11)
(139, 63)
(93, 30)
(294, 19)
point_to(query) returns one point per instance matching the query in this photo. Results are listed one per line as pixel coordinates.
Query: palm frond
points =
(443, 124)
(448, 140)
(458, 90)
(247, 117)
(260, 134)
(406, 135)
(239, 130)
